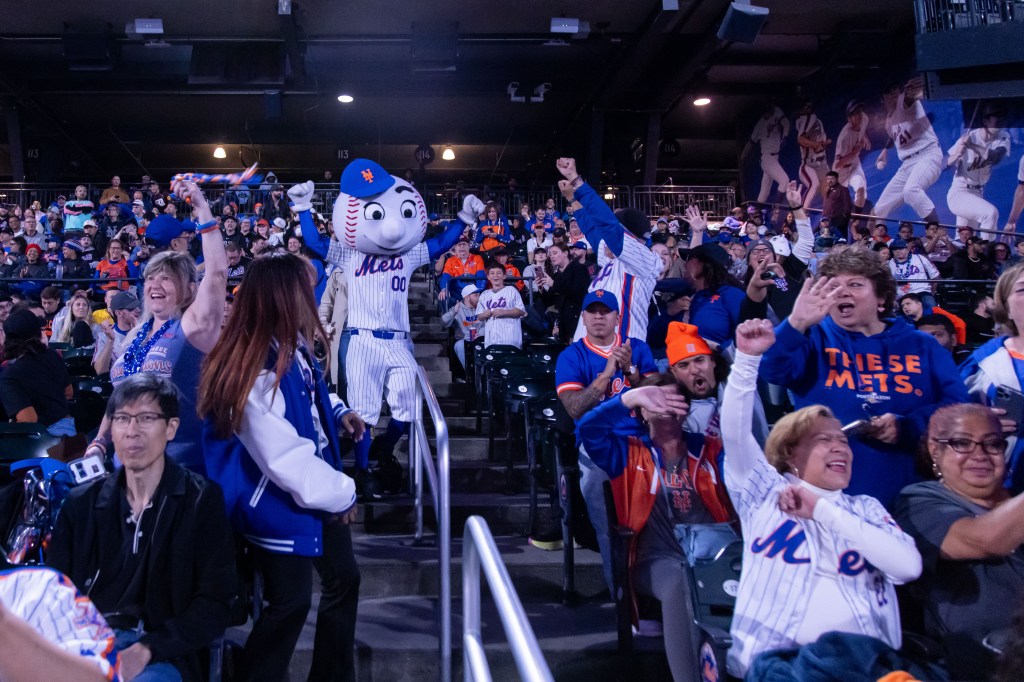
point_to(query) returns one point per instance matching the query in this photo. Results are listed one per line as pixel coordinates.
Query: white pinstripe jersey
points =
(810, 127)
(909, 128)
(49, 603)
(378, 285)
(783, 553)
(974, 165)
(506, 331)
(631, 276)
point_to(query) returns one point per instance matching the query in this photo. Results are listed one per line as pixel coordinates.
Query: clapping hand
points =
(754, 337)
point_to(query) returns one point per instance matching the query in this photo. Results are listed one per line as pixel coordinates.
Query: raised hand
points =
(302, 196)
(696, 221)
(754, 337)
(812, 305)
(623, 356)
(794, 193)
(472, 207)
(567, 167)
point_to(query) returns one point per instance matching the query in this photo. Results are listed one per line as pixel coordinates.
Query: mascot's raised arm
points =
(379, 223)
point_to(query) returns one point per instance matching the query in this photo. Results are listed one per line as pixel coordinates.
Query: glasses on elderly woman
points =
(965, 446)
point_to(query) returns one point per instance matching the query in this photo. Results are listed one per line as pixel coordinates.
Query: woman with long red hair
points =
(271, 441)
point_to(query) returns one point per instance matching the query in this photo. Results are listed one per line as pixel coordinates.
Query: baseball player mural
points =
(917, 147)
(379, 224)
(769, 132)
(973, 156)
(852, 140)
(813, 142)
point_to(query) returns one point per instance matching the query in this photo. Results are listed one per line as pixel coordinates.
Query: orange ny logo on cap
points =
(367, 175)
(599, 293)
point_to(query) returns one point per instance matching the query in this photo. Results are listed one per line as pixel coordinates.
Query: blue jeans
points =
(154, 672)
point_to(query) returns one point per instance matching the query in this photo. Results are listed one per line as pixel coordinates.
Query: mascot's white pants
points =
(771, 171)
(969, 206)
(910, 184)
(374, 365)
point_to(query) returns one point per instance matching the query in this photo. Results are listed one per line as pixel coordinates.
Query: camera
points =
(767, 274)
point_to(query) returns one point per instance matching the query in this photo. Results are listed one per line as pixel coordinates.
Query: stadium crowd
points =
(848, 401)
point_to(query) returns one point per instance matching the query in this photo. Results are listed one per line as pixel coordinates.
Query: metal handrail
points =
(480, 552)
(440, 489)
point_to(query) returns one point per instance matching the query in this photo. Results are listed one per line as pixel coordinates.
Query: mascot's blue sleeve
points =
(597, 221)
(315, 242)
(443, 242)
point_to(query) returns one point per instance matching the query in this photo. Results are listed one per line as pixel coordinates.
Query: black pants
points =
(288, 591)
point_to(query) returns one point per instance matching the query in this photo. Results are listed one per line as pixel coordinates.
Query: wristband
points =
(577, 183)
(208, 227)
(796, 208)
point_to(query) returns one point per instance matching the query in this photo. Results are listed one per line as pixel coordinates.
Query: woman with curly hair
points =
(841, 347)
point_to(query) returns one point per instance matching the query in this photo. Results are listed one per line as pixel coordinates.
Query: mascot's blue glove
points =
(302, 196)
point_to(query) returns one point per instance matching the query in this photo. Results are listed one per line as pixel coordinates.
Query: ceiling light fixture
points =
(346, 99)
(448, 154)
(701, 101)
(219, 153)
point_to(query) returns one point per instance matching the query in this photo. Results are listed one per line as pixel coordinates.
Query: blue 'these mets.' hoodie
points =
(900, 370)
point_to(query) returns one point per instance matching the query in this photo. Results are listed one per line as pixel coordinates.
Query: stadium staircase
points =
(396, 635)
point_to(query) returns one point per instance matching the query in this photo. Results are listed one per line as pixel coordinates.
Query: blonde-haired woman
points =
(827, 561)
(181, 321)
(999, 363)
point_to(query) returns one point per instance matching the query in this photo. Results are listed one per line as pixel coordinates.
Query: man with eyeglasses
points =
(151, 545)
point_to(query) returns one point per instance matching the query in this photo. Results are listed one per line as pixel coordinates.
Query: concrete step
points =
(423, 349)
(506, 514)
(473, 448)
(436, 377)
(394, 565)
(431, 326)
(433, 364)
(578, 643)
(457, 425)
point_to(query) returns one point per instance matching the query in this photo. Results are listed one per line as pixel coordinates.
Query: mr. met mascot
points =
(379, 224)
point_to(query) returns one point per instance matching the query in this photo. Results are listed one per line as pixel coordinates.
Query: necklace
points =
(140, 346)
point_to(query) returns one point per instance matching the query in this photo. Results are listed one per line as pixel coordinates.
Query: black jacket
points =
(192, 577)
(571, 285)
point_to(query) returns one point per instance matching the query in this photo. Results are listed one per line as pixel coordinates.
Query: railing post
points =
(470, 600)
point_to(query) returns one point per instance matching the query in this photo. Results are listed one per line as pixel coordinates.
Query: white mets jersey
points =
(378, 285)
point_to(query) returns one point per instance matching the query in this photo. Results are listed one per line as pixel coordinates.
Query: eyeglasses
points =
(965, 446)
(144, 419)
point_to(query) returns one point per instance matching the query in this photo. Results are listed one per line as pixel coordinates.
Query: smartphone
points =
(1012, 401)
(856, 428)
(87, 468)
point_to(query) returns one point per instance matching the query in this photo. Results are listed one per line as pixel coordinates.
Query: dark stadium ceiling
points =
(81, 77)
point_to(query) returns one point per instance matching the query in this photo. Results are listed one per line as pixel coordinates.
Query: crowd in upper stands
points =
(891, 369)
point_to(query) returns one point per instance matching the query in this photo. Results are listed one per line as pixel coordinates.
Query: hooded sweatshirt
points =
(900, 371)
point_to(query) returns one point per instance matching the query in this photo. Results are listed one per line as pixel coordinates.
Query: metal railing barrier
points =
(480, 553)
(421, 461)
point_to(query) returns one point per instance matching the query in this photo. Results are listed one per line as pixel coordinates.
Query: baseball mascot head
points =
(376, 212)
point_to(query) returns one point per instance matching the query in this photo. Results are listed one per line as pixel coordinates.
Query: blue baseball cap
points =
(602, 296)
(433, 216)
(365, 178)
(164, 228)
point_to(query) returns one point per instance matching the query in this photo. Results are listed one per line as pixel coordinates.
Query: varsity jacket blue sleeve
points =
(951, 389)
(597, 220)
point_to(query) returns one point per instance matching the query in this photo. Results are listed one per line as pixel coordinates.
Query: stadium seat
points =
(482, 357)
(87, 409)
(79, 362)
(20, 441)
(95, 385)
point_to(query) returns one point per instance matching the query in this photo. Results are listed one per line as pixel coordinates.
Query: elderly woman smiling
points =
(967, 527)
(827, 560)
